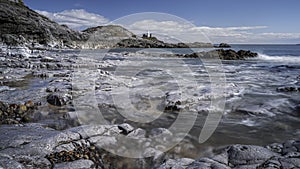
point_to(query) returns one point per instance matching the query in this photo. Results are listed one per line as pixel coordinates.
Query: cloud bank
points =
(78, 19)
(169, 30)
(239, 34)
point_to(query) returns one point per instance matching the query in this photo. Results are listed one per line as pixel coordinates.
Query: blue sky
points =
(277, 21)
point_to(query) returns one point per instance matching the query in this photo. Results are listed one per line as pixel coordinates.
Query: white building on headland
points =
(147, 35)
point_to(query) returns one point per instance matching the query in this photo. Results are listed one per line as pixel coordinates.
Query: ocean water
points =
(255, 112)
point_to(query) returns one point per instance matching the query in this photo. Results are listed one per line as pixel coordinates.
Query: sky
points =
(230, 21)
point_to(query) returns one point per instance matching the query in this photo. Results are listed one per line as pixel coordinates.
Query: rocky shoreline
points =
(33, 145)
(44, 135)
(39, 125)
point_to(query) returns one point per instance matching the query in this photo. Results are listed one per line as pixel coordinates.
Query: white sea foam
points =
(293, 59)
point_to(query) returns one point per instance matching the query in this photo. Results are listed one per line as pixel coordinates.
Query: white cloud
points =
(176, 30)
(76, 18)
(189, 33)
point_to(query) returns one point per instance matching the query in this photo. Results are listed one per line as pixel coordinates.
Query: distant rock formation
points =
(106, 36)
(223, 45)
(222, 54)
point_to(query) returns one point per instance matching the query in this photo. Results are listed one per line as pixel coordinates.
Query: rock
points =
(78, 164)
(279, 162)
(207, 163)
(22, 25)
(224, 45)
(10, 164)
(222, 54)
(137, 133)
(160, 131)
(173, 101)
(288, 89)
(247, 155)
(87, 131)
(291, 146)
(176, 164)
(59, 99)
(16, 113)
(34, 146)
(126, 128)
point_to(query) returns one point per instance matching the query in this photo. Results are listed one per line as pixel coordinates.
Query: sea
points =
(254, 110)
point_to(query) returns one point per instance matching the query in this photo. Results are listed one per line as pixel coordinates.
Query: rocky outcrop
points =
(21, 25)
(222, 54)
(106, 36)
(143, 43)
(35, 146)
(285, 156)
(223, 45)
(154, 43)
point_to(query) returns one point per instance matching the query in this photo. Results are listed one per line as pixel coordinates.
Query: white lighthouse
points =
(148, 34)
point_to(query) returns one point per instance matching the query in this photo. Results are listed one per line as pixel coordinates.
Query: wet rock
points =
(280, 163)
(59, 99)
(137, 133)
(79, 152)
(207, 163)
(16, 113)
(288, 89)
(173, 101)
(291, 146)
(78, 164)
(160, 131)
(48, 59)
(176, 164)
(8, 163)
(247, 155)
(126, 128)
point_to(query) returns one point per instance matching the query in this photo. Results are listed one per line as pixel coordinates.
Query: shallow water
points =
(254, 113)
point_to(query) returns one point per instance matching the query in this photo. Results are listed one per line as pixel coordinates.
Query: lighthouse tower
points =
(148, 34)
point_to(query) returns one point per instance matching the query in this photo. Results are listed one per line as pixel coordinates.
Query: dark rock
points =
(290, 146)
(58, 99)
(16, 113)
(20, 25)
(224, 45)
(223, 54)
(288, 89)
(247, 155)
(173, 101)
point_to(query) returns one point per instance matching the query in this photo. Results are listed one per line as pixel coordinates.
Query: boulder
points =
(58, 99)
